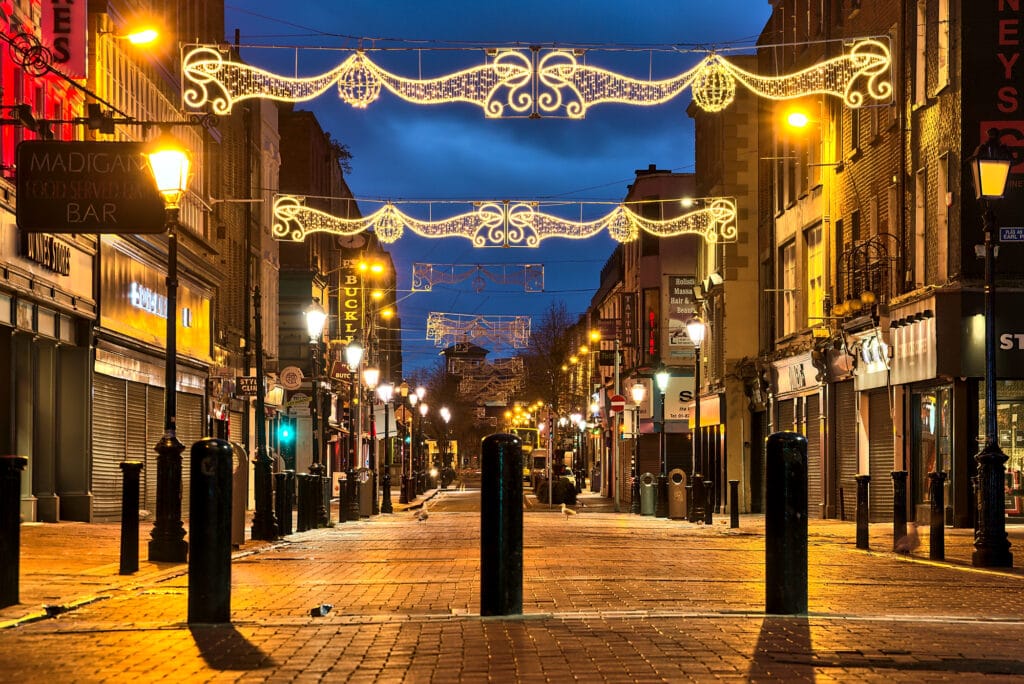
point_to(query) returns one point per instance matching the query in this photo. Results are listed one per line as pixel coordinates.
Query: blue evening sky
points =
(451, 151)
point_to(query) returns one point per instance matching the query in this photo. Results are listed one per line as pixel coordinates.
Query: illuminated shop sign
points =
(141, 297)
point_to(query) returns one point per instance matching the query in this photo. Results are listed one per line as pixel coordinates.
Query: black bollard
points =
(734, 503)
(130, 476)
(709, 497)
(862, 511)
(305, 520)
(697, 511)
(785, 524)
(937, 531)
(352, 495)
(501, 526)
(10, 528)
(282, 504)
(634, 497)
(661, 497)
(689, 501)
(209, 559)
(289, 500)
(899, 505)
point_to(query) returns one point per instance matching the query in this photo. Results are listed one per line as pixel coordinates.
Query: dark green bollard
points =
(209, 559)
(709, 497)
(501, 526)
(283, 485)
(130, 471)
(697, 508)
(786, 524)
(10, 528)
(734, 503)
(862, 511)
(899, 505)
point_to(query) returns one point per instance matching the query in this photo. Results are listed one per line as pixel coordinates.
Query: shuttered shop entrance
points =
(880, 458)
(785, 415)
(845, 422)
(108, 446)
(815, 492)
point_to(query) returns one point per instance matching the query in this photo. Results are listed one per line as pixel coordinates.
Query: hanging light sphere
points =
(714, 88)
(357, 85)
(621, 228)
(389, 226)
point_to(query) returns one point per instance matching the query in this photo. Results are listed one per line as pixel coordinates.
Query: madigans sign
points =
(86, 187)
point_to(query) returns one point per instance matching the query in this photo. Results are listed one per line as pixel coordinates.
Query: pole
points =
(634, 504)
(167, 543)
(354, 436)
(373, 457)
(615, 480)
(700, 502)
(316, 468)
(991, 546)
(385, 506)
(661, 500)
(264, 524)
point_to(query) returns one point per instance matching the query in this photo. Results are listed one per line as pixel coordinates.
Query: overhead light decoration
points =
(529, 276)
(535, 82)
(502, 331)
(506, 223)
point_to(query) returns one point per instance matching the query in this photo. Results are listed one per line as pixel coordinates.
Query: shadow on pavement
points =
(223, 648)
(783, 640)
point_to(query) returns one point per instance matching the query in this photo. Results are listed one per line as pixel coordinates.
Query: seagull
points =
(909, 541)
(567, 512)
(422, 514)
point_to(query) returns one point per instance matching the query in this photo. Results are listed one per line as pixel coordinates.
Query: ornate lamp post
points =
(423, 458)
(661, 507)
(353, 357)
(695, 328)
(371, 376)
(385, 393)
(419, 476)
(264, 523)
(446, 416)
(315, 319)
(170, 163)
(409, 474)
(990, 168)
(637, 393)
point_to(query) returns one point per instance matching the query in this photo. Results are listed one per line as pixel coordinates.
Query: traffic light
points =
(286, 441)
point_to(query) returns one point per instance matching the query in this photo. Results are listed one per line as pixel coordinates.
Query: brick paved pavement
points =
(606, 597)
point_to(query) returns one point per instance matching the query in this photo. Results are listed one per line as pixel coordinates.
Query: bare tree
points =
(548, 350)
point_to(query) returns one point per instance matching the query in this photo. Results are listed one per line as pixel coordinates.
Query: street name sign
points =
(1011, 234)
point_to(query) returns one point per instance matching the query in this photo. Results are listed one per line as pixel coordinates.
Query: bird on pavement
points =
(567, 512)
(422, 515)
(909, 541)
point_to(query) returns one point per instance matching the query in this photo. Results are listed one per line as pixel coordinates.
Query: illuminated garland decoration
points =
(530, 276)
(449, 328)
(506, 223)
(534, 83)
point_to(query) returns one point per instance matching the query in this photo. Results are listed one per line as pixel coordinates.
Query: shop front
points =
(877, 406)
(129, 370)
(797, 407)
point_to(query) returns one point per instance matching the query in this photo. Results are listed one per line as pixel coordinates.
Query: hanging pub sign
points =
(68, 186)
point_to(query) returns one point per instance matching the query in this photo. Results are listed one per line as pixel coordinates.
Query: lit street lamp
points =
(990, 168)
(353, 357)
(408, 477)
(315, 319)
(695, 328)
(371, 376)
(423, 465)
(385, 392)
(661, 504)
(637, 393)
(170, 163)
(446, 416)
(264, 523)
(418, 469)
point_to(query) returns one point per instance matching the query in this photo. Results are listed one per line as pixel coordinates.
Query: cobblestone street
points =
(606, 597)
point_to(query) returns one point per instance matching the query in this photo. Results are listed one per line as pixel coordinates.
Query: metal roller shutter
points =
(108, 446)
(815, 492)
(846, 449)
(237, 423)
(880, 456)
(154, 431)
(785, 416)
(190, 430)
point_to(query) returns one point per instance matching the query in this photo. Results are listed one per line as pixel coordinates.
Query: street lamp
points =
(990, 168)
(169, 162)
(696, 328)
(264, 522)
(661, 509)
(418, 469)
(637, 393)
(423, 475)
(446, 416)
(385, 393)
(403, 494)
(371, 375)
(353, 357)
(315, 319)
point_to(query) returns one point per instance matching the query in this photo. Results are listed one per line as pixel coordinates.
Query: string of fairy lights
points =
(507, 223)
(534, 82)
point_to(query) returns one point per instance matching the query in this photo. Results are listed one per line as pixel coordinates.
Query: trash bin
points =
(676, 494)
(364, 481)
(648, 494)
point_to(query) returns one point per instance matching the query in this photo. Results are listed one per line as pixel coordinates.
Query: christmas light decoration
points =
(507, 223)
(534, 82)
(449, 328)
(530, 276)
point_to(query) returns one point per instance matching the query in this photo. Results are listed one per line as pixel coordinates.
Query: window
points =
(920, 219)
(854, 130)
(921, 60)
(942, 77)
(815, 275)
(789, 292)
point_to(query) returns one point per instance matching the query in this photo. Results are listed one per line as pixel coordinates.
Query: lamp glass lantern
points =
(446, 415)
(695, 328)
(661, 377)
(353, 355)
(170, 163)
(316, 317)
(371, 376)
(638, 392)
(989, 174)
(385, 392)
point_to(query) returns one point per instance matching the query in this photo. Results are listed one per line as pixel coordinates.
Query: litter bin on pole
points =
(648, 494)
(676, 494)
